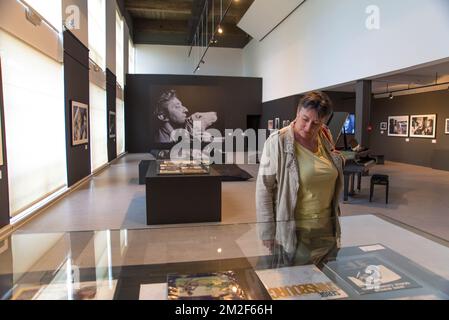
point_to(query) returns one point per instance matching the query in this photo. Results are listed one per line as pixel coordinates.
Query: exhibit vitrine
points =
(373, 259)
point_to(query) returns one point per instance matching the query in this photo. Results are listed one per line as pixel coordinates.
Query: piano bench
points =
(379, 179)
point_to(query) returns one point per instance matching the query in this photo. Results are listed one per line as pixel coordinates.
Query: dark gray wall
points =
(285, 109)
(76, 88)
(418, 151)
(111, 98)
(4, 191)
(238, 98)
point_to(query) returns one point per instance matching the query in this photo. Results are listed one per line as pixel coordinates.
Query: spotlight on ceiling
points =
(391, 96)
(220, 30)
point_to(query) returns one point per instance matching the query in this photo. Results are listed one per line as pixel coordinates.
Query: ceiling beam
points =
(178, 6)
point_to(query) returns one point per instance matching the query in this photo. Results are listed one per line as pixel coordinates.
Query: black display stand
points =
(175, 199)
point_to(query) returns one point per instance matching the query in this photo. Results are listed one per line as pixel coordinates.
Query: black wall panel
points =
(4, 193)
(419, 151)
(233, 98)
(76, 88)
(111, 98)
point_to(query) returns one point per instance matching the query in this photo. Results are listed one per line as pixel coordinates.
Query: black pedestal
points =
(182, 198)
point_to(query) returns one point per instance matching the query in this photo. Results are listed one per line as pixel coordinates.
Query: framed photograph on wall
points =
(112, 124)
(383, 126)
(423, 126)
(398, 126)
(80, 123)
(446, 131)
(277, 123)
(270, 125)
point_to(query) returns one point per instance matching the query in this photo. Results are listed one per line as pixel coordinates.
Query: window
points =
(132, 57)
(97, 32)
(98, 127)
(120, 50)
(120, 125)
(34, 122)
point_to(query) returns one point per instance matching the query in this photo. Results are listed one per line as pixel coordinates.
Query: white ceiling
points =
(264, 15)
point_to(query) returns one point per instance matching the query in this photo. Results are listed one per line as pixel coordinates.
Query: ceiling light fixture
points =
(204, 36)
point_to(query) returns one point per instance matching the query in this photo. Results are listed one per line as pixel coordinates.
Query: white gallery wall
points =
(159, 59)
(327, 42)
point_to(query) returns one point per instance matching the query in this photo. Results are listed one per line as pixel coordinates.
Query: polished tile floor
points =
(114, 200)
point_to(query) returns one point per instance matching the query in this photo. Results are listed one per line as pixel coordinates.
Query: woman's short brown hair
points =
(318, 101)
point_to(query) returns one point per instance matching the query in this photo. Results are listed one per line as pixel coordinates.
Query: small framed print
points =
(270, 125)
(383, 126)
(446, 131)
(80, 123)
(277, 124)
(423, 126)
(112, 124)
(398, 126)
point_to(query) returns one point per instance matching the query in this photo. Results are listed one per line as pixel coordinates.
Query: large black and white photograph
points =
(112, 124)
(182, 107)
(80, 123)
(446, 131)
(423, 126)
(398, 126)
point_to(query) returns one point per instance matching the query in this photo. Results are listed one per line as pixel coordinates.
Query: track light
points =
(220, 30)
(391, 96)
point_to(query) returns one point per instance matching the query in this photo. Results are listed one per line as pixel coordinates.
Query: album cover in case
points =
(204, 286)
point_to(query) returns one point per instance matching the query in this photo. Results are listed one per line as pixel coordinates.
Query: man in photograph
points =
(428, 131)
(172, 115)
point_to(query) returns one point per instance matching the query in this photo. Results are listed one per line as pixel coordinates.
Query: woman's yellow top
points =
(318, 176)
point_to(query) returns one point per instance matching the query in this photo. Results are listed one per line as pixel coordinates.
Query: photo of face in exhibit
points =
(180, 107)
(112, 122)
(423, 126)
(398, 126)
(80, 118)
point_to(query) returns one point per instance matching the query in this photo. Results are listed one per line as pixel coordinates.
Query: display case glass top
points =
(355, 257)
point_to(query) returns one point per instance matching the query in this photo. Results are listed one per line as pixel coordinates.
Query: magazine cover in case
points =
(377, 272)
(204, 286)
(370, 275)
(299, 283)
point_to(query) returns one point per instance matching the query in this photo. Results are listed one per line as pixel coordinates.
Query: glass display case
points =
(355, 257)
(182, 167)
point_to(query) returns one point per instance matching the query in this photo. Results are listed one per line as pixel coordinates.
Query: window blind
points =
(34, 123)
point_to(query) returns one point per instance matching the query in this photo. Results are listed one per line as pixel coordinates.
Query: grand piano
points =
(357, 159)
